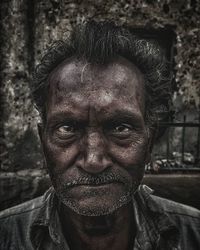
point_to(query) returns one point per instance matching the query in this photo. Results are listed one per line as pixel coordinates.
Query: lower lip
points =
(112, 184)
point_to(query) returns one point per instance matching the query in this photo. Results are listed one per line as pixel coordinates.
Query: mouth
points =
(100, 185)
(92, 184)
(95, 196)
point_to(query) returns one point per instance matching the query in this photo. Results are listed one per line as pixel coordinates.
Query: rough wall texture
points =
(28, 27)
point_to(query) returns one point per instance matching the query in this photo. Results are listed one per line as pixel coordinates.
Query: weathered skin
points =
(95, 127)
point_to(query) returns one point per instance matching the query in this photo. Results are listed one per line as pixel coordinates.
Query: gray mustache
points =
(100, 179)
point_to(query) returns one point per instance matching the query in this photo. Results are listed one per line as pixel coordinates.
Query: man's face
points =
(95, 139)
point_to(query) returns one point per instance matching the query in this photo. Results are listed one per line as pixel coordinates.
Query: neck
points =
(114, 231)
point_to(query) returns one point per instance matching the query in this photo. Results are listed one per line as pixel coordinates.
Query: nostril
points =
(80, 163)
(106, 163)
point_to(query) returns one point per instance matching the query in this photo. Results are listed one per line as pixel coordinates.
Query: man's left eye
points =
(120, 131)
(124, 128)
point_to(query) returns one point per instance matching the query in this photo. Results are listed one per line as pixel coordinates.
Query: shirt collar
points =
(153, 223)
(151, 219)
(47, 219)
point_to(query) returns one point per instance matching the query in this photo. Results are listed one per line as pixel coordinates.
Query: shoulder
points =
(21, 210)
(176, 209)
(15, 224)
(19, 218)
(163, 205)
(184, 218)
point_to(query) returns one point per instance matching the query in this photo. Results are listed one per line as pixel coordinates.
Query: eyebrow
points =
(124, 115)
(117, 116)
(64, 116)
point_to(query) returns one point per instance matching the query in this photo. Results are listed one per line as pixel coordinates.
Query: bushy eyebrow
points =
(62, 116)
(124, 116)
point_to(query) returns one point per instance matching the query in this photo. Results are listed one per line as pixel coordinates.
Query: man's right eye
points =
(65, 131)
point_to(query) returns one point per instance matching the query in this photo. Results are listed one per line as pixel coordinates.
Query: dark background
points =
(28, 27)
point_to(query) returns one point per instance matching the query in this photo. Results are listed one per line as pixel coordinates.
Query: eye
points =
(65, 131)
(123, 128)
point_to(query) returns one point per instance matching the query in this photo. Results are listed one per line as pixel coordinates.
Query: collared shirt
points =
(161, 224)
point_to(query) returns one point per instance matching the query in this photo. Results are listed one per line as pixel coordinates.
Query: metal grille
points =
(182, 161)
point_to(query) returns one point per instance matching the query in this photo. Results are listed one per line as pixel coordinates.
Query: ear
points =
(151, 140)
(41, 135)
(40, 131)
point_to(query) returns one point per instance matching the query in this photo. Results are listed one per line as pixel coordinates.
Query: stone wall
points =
(28, 28)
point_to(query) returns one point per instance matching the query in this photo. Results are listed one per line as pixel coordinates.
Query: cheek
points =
(133, 154)
(131, 158)
(60, 158)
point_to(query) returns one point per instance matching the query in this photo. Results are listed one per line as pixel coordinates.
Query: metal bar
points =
(167, 145)
(197, 158)
(183, 140)
(179, 124)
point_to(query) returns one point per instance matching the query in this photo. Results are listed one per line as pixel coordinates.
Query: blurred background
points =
(28, 28)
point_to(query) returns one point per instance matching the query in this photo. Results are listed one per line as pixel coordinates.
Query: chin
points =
(96, 209)
(96, 201)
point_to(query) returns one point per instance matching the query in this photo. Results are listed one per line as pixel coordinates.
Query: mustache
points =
(100, 179)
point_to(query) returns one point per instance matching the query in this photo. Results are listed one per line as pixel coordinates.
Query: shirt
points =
(161, 224)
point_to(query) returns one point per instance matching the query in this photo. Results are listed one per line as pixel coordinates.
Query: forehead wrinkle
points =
(92, 116)
(92, 110)
(96, 73)
(82, 71)
(110, 81)
(99, 99)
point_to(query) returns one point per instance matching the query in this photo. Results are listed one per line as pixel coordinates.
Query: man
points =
(100, 95)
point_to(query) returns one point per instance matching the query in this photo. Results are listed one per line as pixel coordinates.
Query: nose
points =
(94, 158)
